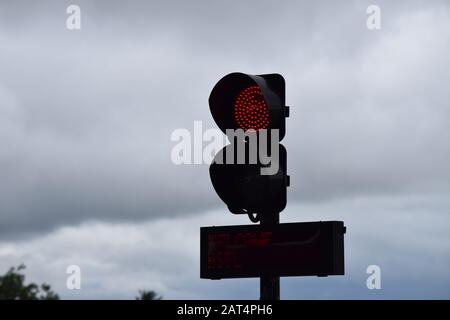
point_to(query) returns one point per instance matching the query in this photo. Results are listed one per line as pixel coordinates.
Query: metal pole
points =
(270, 285)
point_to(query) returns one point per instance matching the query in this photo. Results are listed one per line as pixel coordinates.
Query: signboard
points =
(289, 249)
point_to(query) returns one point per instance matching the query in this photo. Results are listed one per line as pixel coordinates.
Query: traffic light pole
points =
(270, 285)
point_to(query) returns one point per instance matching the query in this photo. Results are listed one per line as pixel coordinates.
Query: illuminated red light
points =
(250, 110)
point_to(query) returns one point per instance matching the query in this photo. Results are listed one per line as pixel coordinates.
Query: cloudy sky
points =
(86, 118)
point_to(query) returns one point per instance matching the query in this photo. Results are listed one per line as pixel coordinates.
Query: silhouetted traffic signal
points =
(243, 177)
(250, 176)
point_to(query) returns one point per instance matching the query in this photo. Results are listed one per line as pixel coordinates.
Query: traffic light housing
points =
(252, 103)
(231, 100)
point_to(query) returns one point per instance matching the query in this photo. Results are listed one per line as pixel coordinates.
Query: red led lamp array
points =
(250, 110)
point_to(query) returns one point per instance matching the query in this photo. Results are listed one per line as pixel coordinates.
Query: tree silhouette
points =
(148, 295)
(13, 287)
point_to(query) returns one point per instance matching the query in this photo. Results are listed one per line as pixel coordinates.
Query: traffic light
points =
(249, 174)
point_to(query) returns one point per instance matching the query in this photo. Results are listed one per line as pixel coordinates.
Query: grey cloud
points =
(398, 234)
(86, 118)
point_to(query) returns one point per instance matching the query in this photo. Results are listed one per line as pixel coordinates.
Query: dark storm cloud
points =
(86, 116)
